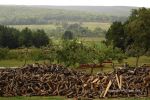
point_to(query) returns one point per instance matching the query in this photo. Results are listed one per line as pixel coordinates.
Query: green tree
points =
(116, 36)
(138, 29)
(68, 35)
(71, 53)
(8, 37)
(100, 52)
(26, 37)
(40, 38)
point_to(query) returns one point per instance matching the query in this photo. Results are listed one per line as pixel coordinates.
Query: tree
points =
(133, 36)
(116, 35)
(13, 38)
(137, 28)
(68, 35)
(40, 38)
(73, 53)
(8, 37)
(26, 37)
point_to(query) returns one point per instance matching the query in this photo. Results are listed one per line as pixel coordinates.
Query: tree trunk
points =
(92, 68)
(26, 54)
(113, 66)
(137, 61)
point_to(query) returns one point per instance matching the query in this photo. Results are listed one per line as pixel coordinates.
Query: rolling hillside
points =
(18, 15)
(104, 10)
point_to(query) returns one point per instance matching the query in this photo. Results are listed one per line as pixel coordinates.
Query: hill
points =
(18, 15)
(104, 10)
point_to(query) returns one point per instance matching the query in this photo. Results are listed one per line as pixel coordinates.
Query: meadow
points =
(107, 67)
(48, 27)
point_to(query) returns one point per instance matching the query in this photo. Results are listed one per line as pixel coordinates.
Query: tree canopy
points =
(68, 35)
(116, 35)
(133, 36)
(13, 38)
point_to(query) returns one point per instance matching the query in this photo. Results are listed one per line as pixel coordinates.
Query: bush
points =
(4, 53)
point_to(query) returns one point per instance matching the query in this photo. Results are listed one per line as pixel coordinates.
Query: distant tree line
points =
(77, 30)
(12, 15)
(13, 38)
(54, 19)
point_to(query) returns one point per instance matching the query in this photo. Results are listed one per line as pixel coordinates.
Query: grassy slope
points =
(10, 14)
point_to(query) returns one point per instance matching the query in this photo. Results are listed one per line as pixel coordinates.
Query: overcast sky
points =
(139, 3)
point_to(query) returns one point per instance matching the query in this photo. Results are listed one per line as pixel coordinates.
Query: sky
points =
(137, 3)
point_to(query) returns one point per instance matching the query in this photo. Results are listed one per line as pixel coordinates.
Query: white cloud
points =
(140, 3)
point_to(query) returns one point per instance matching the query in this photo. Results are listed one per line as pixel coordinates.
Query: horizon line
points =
(72, 5)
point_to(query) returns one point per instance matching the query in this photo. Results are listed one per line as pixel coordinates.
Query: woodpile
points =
(55, 80)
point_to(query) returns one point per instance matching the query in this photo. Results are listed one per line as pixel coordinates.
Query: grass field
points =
(16, 63)
(130, 60)
(142, 60)
(93, 25)
(90, 25)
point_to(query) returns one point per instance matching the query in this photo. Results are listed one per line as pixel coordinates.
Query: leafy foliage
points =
(40, 38)
(13, 38)
(3, 53)
(68, 35)
(116, 35)
(134, 35)
(70, 52)
(74, 52)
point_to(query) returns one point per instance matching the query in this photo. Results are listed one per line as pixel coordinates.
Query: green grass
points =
(142, 60)
(130, 60)
(16, 63)
(93, 25)
(48, 27)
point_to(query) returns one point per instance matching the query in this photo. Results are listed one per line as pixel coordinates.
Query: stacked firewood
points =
(55, 80)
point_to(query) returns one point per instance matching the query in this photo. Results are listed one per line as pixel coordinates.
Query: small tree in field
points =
(116, 36)
(40, 38)
(107, 53)
(70, 52)
(68, 35)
